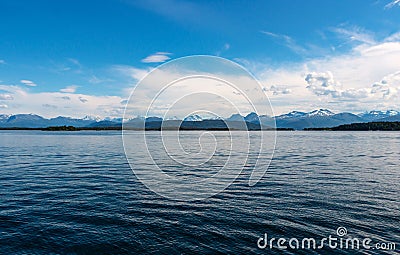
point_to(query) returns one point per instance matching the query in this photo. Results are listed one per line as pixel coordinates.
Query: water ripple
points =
(74, 193)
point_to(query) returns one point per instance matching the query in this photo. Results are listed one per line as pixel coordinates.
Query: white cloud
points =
(322, 84)
(75, 62)
(157, 57)
(3, 106)
(392, 4)
(365, 78)
(53, 104)
(96, 80)
(391, 79)
(183, 96)
(355, 34)
(131, 72)
(28, 83)
(50, 106)
(278, 90)
(226, 47)
(69, 89)
(83, 100)
(393, 37)
(6, 97)
(388, 87)
(385, 90)
(338, 82)
(287, 41)
(355, 93)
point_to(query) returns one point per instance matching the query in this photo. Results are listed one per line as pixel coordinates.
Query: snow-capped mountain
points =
(292, 114)
(91, 118)
(67, 121)
(376, 115)
(24, 120)
(214, 118)
(295, 119)
(194, 117)
(119, 120)
(317, 118)
(320, 112)
(4, 117)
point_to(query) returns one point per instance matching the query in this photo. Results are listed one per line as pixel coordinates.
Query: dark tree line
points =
(370, 126)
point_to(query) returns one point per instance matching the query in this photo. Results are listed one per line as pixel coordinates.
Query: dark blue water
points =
(74, 193)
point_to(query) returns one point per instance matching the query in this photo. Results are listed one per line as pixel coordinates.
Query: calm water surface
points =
(74, 193)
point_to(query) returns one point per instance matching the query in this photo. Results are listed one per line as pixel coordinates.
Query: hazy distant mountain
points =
(252, 117)
(264, 120)
(172, 118)
(66, 121)
(36, 121)
(235, 117)
(391, 118)
(300, 120)
(153, 119)
(4, 118)
(119, 120)
(378, 115)
(203, 125)
(318, 118)
(91, 118)
(295, 119)
(26, 120)
(105, 123)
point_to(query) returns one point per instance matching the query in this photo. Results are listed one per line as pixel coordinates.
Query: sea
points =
(76, 193)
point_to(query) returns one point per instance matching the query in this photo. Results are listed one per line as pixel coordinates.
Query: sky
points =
(76, 58)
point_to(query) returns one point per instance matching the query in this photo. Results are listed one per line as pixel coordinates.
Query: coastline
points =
(370, 126)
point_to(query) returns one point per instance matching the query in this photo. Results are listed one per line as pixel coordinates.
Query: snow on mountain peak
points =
(380, 113)
(91, 117)
(215, 118)
(320, 112)
(194, 117)
(292, 114)
(171, 118)
(4, 116)
(392, 112)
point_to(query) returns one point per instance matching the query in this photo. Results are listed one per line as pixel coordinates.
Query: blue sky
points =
(93, 52)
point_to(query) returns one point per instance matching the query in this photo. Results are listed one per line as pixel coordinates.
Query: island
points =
(370, 126)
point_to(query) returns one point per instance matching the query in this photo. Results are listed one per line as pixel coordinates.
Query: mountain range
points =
(296, 120)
